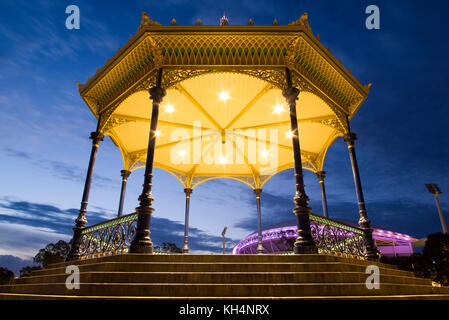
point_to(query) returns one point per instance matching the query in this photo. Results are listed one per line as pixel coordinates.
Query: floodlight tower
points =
(433, 189)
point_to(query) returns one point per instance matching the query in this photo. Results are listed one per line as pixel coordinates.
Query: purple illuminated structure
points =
(279, 238)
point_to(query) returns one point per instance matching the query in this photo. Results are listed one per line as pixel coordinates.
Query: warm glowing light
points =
(289, 134)
(182, 153)
(223, 96)
(222, 160)
(265, 153)
(169, 108)
(278, 108)
(158, 133)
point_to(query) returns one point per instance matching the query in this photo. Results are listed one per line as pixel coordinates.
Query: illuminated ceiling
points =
(242, 128)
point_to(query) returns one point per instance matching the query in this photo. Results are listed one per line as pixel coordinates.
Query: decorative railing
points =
(330, 236)
(109, 237)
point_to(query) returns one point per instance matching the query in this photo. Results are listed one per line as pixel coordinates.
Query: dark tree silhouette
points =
(52, 253)
(436, 254)
(433, 263)
(26, 271)
(6, 276)
(168, 247)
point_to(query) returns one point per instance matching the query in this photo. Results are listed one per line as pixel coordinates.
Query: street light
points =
(433, 189)
(224, 240)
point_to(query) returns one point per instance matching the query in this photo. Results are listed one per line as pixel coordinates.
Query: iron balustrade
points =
(112, 236)
(330, 236)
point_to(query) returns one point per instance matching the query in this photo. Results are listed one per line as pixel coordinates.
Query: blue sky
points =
(44, 124)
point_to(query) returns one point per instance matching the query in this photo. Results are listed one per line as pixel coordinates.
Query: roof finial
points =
(199, 22)
(173, 22)
(250, 22)
(224, 21)
(275, 22)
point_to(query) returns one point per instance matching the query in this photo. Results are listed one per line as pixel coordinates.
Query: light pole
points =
(224, 239)
(433, 189)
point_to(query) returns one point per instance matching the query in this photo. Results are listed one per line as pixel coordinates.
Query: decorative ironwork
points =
(330, 236)
(110, 236)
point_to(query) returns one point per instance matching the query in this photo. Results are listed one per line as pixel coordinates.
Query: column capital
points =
(125, 173)
(291, 94)
(188, 191)
(96, 137)
(321, 175)
(349, 138)
(257, 192)
(157, 94)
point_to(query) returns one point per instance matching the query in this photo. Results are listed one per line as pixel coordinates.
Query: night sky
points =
(44, 124)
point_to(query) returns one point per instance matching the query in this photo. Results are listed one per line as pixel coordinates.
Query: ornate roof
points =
(249, 62)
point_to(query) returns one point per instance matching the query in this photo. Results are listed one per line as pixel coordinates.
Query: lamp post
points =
(224, 239)
(433, 189)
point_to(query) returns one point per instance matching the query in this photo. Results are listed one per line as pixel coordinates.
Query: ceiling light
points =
(223, 96)
(182, 153)
(278, 108)
(289, 134)
(169, 108)
(265, 153)
(222, 160)
(158, 133)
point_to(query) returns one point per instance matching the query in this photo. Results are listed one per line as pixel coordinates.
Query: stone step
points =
(220, 290)
(18, 296)
(219, 277)
(220, 267)
(274, 258)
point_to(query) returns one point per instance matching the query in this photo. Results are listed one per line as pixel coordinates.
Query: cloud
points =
(59, 169)
(26, 227)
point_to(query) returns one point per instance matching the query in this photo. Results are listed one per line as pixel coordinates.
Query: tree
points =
(26, 271)
(433, 263)
(52, 253)
(168, 247)
(436, 254)
(6, 276)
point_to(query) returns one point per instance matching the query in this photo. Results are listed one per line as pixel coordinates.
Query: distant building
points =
(279, 238)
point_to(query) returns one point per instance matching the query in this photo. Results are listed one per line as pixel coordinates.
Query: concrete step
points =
(219, 277)
(18, 296)
(220, 290)
(274, 258)
(220, 267)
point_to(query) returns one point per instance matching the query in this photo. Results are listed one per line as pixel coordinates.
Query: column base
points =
(141, 246)
(185, 249)
(260, 249)
(305, 249)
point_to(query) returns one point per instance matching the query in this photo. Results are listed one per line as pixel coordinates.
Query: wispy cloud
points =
(26, 227)
(59, 169)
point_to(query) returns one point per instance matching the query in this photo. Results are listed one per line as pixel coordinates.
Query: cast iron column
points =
(364, 222)
(321, 175)
(304, 242)
(142, 241)
(125, 174)
(257, 192)
(185, 249)
(81, 221)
